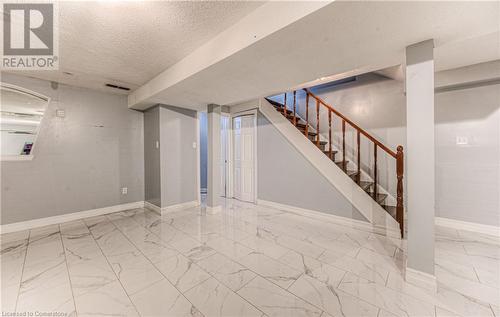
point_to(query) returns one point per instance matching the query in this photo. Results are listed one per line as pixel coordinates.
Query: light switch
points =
(60, 113)
(157, 144)
(194, 145)
(462, 140)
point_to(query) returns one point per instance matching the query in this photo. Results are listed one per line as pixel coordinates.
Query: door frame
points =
(231, 150)
(229, 175)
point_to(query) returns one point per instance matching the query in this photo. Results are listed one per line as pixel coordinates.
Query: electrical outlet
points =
(124, 190)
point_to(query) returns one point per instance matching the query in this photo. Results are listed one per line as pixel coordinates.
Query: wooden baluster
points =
(284, 106)
(330, 134)
(399, 199)
(294, 110)
(317, 123)
(307, 115)
(359, 155)
(343, 145)
(375, 171)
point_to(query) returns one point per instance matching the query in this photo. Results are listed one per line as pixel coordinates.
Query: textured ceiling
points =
(129, 42)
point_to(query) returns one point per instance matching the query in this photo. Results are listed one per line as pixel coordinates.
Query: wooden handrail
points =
(294, 108)
(317, 122)
(352, 124)
(307, 116)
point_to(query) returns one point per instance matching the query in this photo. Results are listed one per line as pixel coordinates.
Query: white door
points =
(224, 151)
(244, 160)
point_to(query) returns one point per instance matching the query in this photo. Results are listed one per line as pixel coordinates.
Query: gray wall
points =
(80, 161)
(286, 177)
(178, 156)
(468, 175)
(152, 185)
(203, 149)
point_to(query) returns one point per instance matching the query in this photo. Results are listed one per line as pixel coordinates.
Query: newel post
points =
(399, 199)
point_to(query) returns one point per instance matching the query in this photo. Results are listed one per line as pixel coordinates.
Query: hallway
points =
(247, 260)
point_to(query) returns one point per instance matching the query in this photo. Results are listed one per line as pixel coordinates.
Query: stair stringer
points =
(390, 200)
(373, 212)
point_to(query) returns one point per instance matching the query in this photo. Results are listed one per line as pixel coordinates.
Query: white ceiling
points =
(341, 39)
(129, 42)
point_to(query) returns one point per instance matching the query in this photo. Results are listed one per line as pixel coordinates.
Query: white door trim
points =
(227, 172)
(231, 153)
(229, 166)
(198, 161)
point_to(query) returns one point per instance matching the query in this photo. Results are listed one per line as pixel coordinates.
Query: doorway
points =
(244, 137)
(225, 130)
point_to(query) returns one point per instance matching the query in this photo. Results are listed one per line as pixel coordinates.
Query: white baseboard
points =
(186, 205)
(35, 223)
(468, 226)
(213, 210)
(152, 207)
(353, 223)
(421, 279)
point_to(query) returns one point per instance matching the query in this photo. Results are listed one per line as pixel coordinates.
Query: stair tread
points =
(274, 103)
(280, 110)
(351, 173)
(365, 185)
(328, 152)
(391, 210)
(320, 142)
(303, 130)
(380, 197)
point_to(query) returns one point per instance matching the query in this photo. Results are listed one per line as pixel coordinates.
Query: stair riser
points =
(321, 147)
(333, 156)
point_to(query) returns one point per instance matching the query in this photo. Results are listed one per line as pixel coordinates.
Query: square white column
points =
(420, 163)
(213, 166)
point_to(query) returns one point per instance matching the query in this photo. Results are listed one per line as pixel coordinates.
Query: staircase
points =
(370, 187)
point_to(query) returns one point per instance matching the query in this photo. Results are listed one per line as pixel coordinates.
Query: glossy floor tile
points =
(246, 260)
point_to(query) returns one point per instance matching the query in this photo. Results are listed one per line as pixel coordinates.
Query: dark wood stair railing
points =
(355, 175)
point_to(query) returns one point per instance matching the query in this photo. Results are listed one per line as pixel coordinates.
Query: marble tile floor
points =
(247, 260)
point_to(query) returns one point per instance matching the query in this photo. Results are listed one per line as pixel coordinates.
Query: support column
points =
(213, 164)
(420, 163)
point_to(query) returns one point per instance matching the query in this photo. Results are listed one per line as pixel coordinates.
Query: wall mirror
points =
(21, 113)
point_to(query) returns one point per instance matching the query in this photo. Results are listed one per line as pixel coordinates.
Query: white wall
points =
(468, 175)
(152, 169)
(178, 157)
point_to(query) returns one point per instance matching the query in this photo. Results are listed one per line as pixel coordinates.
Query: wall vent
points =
(117, 87)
